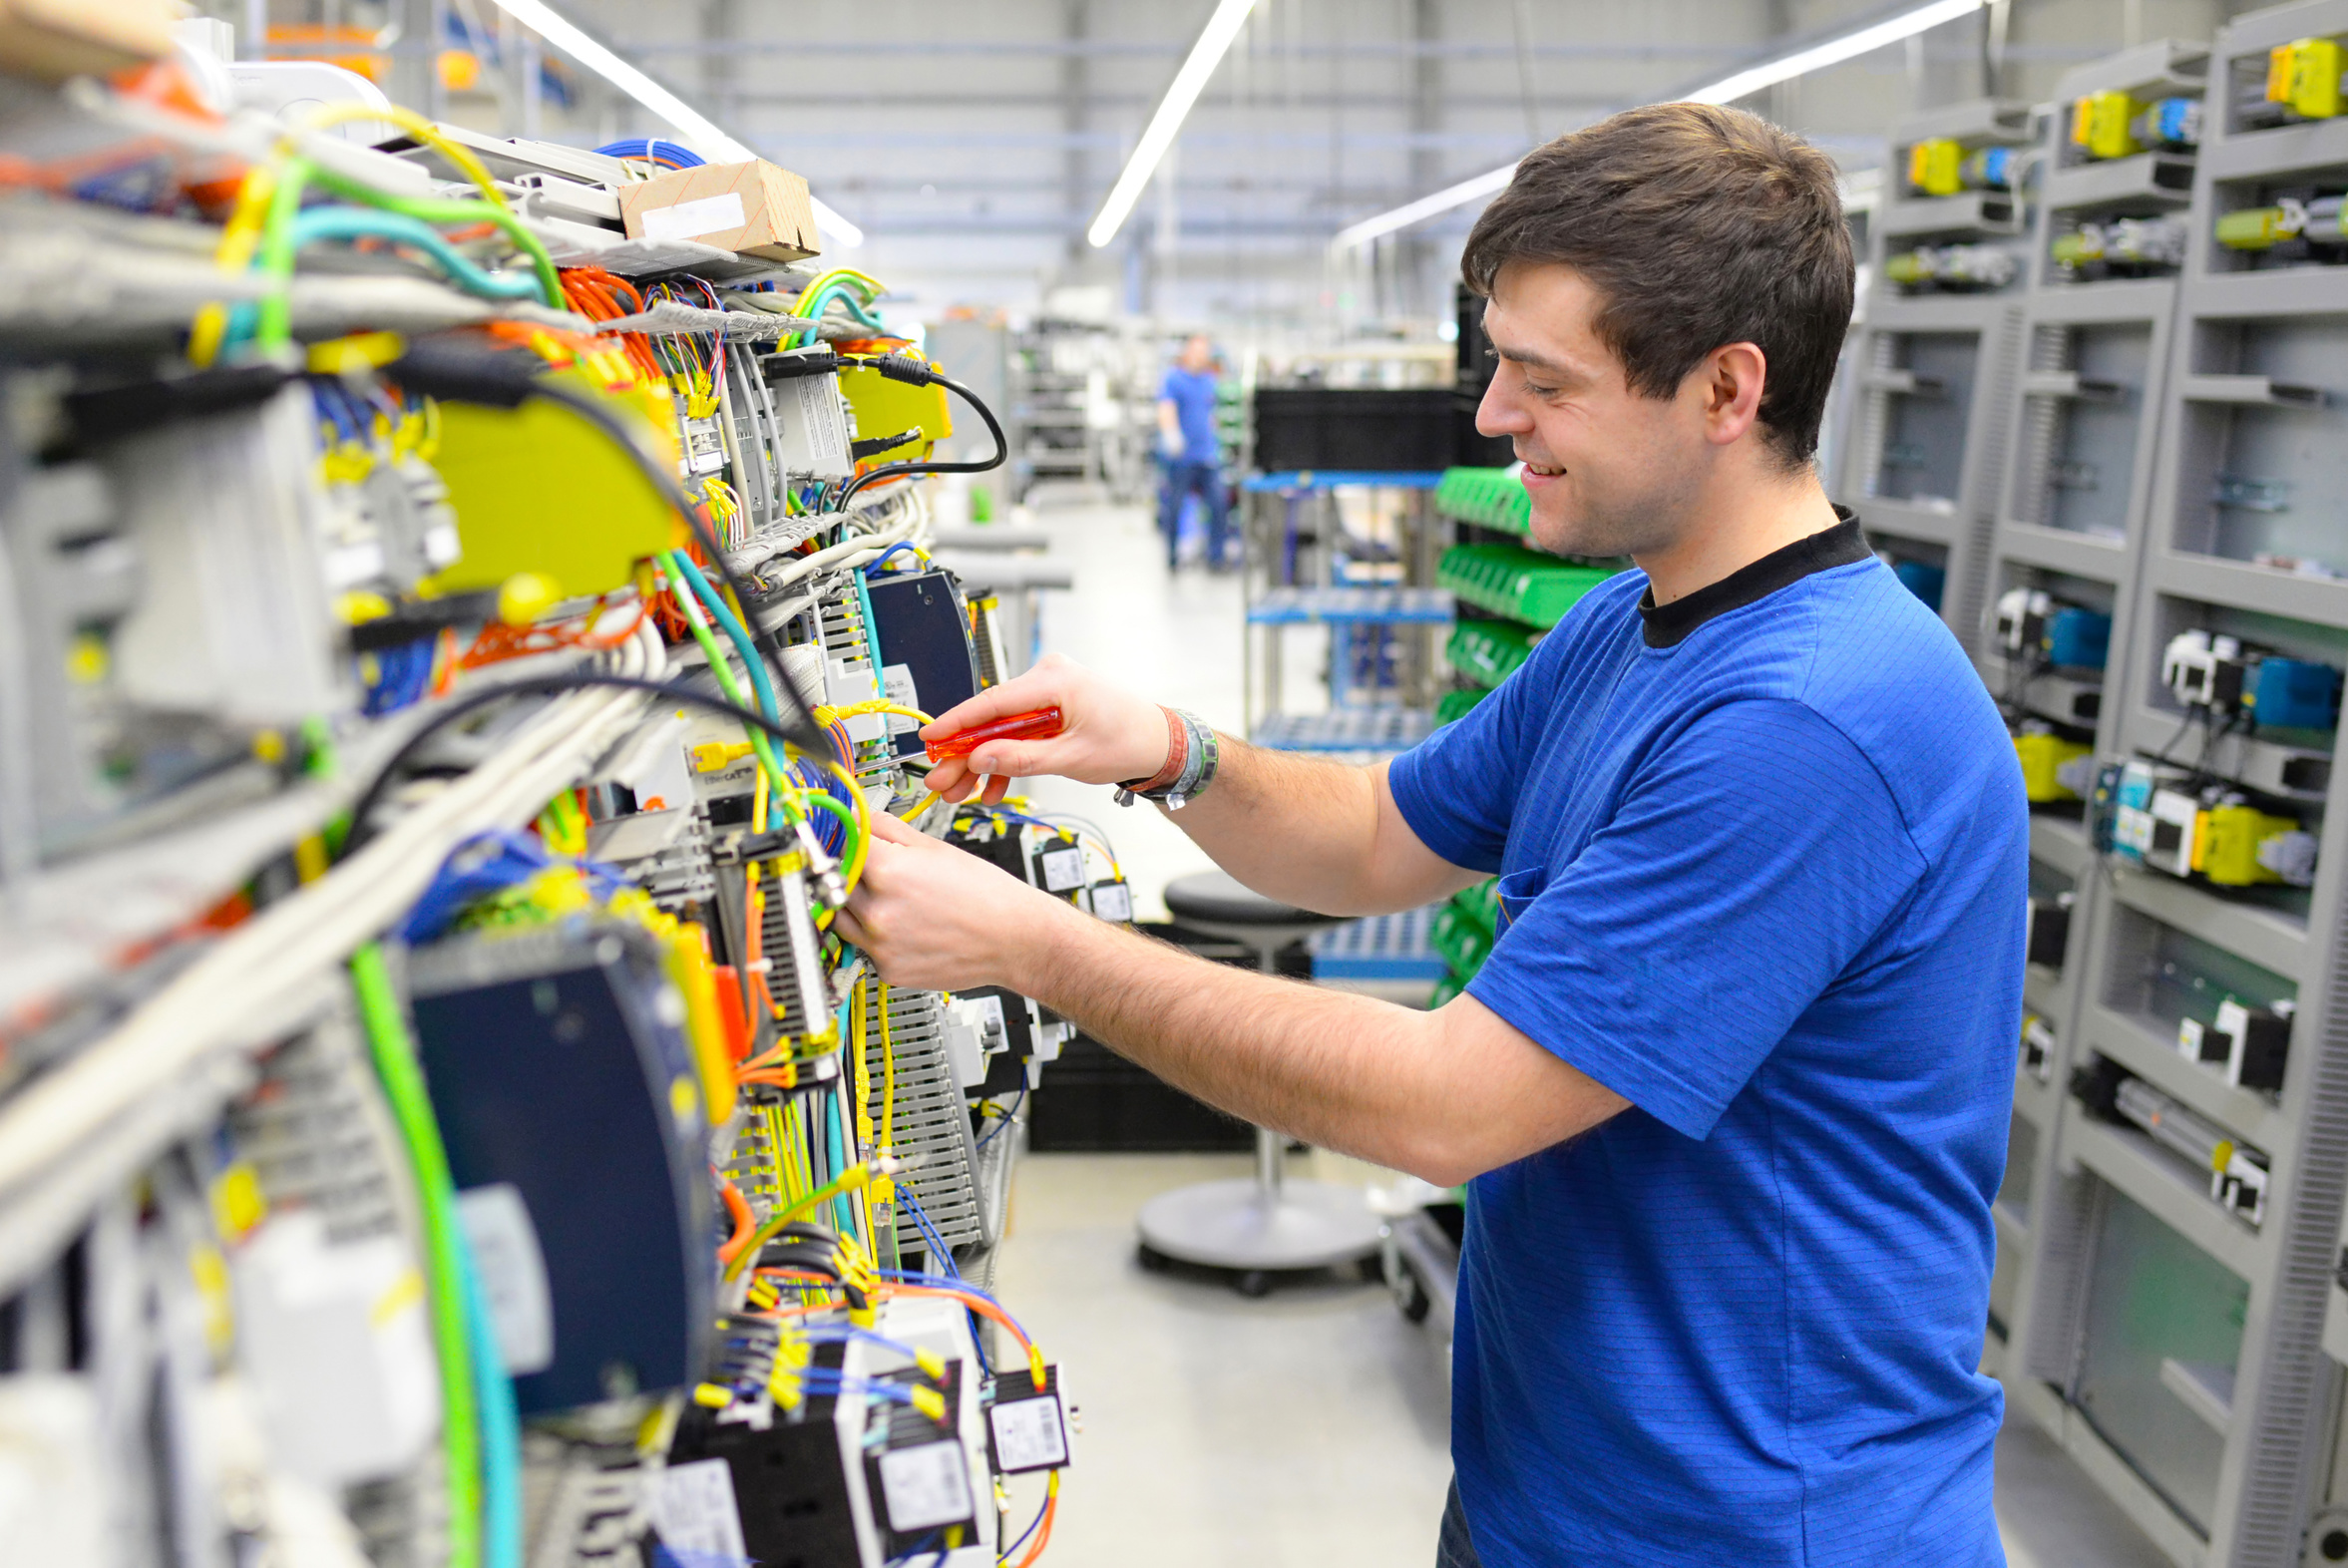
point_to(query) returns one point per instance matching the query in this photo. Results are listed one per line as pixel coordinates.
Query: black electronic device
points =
(564, 1088)
(922, 631)
(799, 1503)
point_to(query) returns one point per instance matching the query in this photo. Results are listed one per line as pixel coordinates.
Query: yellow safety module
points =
(2226, 840)
(2042, 755)
(2304, 77)
(542, 490)
(884, 408)
(1933, 167)
(2100, 124)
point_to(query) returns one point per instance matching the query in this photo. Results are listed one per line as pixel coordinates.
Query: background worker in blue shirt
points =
(1731, 1091)
(1192, 450)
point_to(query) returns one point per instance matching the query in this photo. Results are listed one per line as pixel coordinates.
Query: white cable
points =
(303, 935)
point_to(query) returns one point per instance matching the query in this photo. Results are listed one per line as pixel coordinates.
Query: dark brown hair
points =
(1698, 226)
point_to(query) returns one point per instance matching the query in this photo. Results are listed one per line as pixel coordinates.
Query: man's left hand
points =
(934, 918)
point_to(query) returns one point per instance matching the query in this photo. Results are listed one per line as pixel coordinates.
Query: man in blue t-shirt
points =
(1193, 452)
(1730, 1092)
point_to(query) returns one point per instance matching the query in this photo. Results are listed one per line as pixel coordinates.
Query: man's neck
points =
(1732, 532)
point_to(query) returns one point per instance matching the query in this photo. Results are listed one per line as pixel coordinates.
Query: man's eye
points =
(1538, 390)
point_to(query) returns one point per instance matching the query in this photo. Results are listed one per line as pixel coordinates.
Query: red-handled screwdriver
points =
(1038, 725)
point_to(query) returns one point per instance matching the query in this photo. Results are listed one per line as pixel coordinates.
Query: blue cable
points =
(1005, 1119)
(921, 1218)
(886, 554)
(1030, 1530)
(652, 148)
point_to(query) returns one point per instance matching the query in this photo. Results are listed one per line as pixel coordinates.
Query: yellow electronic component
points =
(884, 407)
(2255, 228)
(2041, 755)
(539, 488)
(930, 1403)
(689, 969)
(715, 756)
(2304, 77)
(356, 354)
(2225, 845)
(1933, 168)
(238, 1203)
(526, 596)
(711, 1395)
(2098, 123)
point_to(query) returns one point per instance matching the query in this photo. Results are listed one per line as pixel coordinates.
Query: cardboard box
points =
(753, 208)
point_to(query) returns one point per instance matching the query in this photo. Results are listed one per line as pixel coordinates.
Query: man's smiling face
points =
(1610, 472)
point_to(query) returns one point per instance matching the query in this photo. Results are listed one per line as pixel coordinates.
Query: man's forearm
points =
(1309, 832)
(1341, 1071)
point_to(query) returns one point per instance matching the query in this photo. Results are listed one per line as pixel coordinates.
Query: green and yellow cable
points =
(411, 1107)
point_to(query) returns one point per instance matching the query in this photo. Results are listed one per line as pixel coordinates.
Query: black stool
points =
(1268, 1224)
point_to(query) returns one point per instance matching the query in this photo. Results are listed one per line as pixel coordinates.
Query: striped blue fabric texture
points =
(1768, 885)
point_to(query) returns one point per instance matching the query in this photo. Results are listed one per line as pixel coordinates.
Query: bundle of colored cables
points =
(269, 225)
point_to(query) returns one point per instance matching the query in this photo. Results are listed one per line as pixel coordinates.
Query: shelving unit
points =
(2177, 442)
(1935, 366)
(2084, 432)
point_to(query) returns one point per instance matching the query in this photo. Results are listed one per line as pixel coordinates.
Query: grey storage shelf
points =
(2081, 415)
(2218, 400)
(1933, 370)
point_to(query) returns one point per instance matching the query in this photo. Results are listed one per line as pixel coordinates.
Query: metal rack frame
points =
(1955, 528)
(2276, 1422)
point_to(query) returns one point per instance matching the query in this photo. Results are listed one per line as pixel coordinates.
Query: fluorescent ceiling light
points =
(568, 36)
(1833, 51)
(1163, 126)
(1737, 83)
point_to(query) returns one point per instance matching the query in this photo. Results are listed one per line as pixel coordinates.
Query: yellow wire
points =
(418, 127)
(864, 824)
(888, 1184)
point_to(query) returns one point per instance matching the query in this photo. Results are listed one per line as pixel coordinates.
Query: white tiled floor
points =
(1308, 1429)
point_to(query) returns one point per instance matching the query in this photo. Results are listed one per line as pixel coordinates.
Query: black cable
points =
(898, 367)
(456, 709)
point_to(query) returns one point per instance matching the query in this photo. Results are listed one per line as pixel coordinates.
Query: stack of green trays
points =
(1464, 930)
(1507, 580)
(1490, 651)
(1491, 497)
(1454, 704)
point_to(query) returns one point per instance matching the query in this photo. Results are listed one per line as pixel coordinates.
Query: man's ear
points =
(1735, 376)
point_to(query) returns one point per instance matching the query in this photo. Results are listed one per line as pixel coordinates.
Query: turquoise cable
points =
(501, 1429)
(736, 633)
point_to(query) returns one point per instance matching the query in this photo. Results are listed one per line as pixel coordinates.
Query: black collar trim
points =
(1668, 625)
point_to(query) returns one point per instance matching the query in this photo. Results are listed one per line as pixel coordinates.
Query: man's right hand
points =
(1107, 735)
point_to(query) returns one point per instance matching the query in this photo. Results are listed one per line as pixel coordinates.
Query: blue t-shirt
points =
(1192, 392)
(1765, 880)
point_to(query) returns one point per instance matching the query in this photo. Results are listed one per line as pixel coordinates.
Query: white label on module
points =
(926, 1486)
(1113, 901)
(704, 446)
(708, 216)
(1062, 868)
(694, 1511)
(512, 1275)
(896, 685)
(1028, 1435)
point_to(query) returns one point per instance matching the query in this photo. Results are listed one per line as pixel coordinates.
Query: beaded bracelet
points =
(1191, 759)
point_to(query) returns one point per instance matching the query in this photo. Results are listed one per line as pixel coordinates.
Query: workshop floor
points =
(1310, 1427)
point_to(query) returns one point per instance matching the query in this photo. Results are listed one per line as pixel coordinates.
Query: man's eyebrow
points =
(1530, 359)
